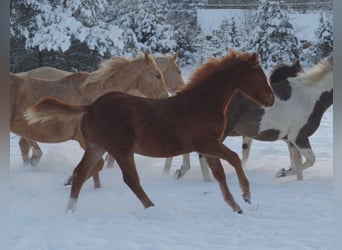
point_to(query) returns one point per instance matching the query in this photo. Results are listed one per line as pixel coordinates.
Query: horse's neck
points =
(217, 93)
(119, 82)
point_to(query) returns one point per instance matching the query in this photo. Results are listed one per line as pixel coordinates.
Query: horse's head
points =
(253, 80)
(171, 72)
(283, 71)
(150, 80)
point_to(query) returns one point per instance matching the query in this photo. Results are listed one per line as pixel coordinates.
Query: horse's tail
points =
(50, 108)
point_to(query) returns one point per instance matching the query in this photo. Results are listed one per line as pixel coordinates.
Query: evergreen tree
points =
(272, 35)
(146, 29)
(324, 36)
(68, 34)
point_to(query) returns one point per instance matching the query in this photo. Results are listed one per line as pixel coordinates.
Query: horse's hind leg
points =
(167, 165)
(82, 172)
(218, 173)
(24, 149)
(109, 161)
(131, 178)
(246, 149)
(204, 168)
(184, 168)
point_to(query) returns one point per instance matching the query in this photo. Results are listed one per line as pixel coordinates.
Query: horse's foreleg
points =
(167, 165)
(131, 178)
(184, 168)
(246, 149)
(219, 150)
(24, 149)
(218, 173)
(81, 173)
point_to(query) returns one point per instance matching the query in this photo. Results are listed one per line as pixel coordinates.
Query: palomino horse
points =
(192, 120)
(296, 114)
(278, 75)
(80, 88)
(167, 65)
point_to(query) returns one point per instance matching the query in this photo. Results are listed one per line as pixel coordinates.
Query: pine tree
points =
(324, 36)
(146, 29)
(272, 35)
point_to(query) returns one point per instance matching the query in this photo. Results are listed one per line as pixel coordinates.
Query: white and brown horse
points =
(123, 124)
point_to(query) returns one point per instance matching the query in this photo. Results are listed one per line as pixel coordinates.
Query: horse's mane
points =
(283, 71)
(316, 73)
(216, 65)
(107, 69)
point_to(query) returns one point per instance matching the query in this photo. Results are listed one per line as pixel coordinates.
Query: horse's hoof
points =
(34, 161)
(68, 181)
(177, 175)
(239, 211)
(281, 173)
(248, 200)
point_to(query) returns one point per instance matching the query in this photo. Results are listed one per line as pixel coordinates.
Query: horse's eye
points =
(158, 76)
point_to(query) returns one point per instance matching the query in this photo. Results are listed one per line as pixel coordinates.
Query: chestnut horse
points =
(278, 75)
(192, 120)
(167, 65)
(296, 114)
(79, 88)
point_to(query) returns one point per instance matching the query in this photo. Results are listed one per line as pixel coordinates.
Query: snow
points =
(188, 214)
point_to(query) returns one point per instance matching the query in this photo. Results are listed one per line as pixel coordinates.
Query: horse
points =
(296, 114)
(119, 74)
(192, 120)
(167, 65)
(278, 75)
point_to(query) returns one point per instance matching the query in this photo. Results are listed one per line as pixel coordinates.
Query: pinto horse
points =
(278, 75)
(119, 74)
(167, 65)
(192, 120)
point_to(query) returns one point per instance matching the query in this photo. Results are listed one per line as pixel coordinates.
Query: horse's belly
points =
(50, 131)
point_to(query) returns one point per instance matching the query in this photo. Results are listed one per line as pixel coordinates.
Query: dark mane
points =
(283, 71)
(215, 65)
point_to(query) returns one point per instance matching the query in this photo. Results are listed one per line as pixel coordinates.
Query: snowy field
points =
(189, 213)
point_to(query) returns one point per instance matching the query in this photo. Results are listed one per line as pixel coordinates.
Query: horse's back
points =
(45, 72)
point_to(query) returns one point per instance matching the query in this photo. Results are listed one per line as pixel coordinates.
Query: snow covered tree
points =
(324, 36)
(145, 28)
(272, 35)
(56, 27)
(227, 36)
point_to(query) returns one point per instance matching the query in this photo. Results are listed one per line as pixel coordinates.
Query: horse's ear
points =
(175, 56)
(254, 58)
(147, 57)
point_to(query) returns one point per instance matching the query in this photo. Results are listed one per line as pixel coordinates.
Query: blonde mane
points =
(108, 69)
(316, 73)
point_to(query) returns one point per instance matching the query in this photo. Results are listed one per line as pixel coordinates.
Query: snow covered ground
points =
(189, 213)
